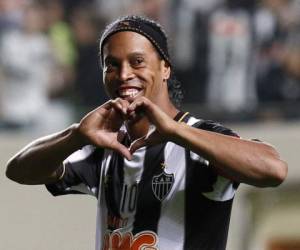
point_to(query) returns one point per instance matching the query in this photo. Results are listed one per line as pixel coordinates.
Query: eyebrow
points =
(137, 54)
(109, 58)
(114, 58)
(131, 54)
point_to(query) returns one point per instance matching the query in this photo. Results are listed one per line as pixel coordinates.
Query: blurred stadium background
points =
(238, 62)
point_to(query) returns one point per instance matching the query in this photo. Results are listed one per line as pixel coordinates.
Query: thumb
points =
(141, 142)
(151, 139)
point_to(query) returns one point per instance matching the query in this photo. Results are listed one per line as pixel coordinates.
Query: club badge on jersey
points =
(162, 185)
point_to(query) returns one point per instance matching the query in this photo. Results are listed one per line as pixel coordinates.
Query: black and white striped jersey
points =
(166, 197)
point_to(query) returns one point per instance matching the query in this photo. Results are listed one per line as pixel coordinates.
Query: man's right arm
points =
(41, 162)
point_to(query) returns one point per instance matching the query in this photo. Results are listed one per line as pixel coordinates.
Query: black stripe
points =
(148, 206)
(86, 171)
(206, 221)
(114, 184)
(214, 127)
(180, 114)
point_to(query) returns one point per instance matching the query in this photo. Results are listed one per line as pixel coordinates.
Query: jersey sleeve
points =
(214, 127)
(220, 187)
(82, 173)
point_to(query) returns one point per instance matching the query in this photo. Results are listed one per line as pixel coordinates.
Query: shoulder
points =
(210, 125)
(88, 152)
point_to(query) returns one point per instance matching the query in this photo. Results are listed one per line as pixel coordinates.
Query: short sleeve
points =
(222, 188)
(214, 127)
(82, 173)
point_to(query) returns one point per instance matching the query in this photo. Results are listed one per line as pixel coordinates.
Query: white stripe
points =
(171, 223)
(81, 154)
(133, 169)
(192, 121)
(83, 189)
(101, 218)
(223, 190)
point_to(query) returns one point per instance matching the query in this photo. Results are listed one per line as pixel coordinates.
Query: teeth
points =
(128, 92)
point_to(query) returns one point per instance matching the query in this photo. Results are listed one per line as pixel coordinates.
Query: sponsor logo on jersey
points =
(115, 222)
(145, 240)
(162, 185)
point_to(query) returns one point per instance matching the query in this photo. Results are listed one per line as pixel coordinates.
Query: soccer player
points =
(163, 178)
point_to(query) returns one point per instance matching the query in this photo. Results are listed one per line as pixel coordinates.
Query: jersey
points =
(166, 197)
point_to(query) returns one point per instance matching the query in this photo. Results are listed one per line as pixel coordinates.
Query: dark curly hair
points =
(155, 33)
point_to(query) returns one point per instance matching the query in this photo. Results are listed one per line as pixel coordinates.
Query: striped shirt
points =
(166, 197)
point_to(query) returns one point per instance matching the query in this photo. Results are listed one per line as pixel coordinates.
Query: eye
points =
(110, 66)
(137, 61)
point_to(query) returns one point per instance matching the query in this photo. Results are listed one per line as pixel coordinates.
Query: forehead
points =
(125, 42)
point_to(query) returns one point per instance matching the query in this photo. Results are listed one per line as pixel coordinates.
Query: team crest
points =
(162, 185)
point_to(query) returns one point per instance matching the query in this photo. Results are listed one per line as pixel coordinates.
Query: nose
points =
(125, 72)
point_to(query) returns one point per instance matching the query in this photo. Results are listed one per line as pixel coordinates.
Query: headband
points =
(141, 26)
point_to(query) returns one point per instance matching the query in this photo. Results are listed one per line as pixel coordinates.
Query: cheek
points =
(154, 86)
(154, 76)
(108, 86)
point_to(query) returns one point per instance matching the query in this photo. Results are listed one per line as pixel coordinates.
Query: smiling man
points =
(163, 178)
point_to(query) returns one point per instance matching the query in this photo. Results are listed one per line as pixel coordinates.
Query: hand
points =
(101, 127)
(162, 128)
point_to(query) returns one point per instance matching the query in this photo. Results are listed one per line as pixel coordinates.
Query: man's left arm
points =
(245, 161)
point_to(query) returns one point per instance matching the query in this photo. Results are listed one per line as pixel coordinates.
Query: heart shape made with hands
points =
(133, 112)
(102, 126)
(152, 137)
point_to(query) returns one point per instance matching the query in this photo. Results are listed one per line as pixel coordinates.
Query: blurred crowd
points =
(233, 57)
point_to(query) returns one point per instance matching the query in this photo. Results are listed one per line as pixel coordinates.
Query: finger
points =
(121, 149)
(139, 143)
(102, 110)
(134, 115)
(152, 138)
(117, 106)
(137, 109)
(124, 104)
(120, 105)
(138, 104)
(144, 106)
(121, 135)
(99, 110)
(107, 105)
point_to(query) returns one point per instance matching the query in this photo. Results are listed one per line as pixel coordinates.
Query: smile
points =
(128, 92)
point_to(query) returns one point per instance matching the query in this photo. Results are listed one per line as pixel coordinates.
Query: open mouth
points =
(128, 92)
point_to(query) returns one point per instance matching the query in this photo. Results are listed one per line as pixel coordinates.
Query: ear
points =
(166, 70)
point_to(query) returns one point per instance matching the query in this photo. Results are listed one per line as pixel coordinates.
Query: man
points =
(163, 179)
